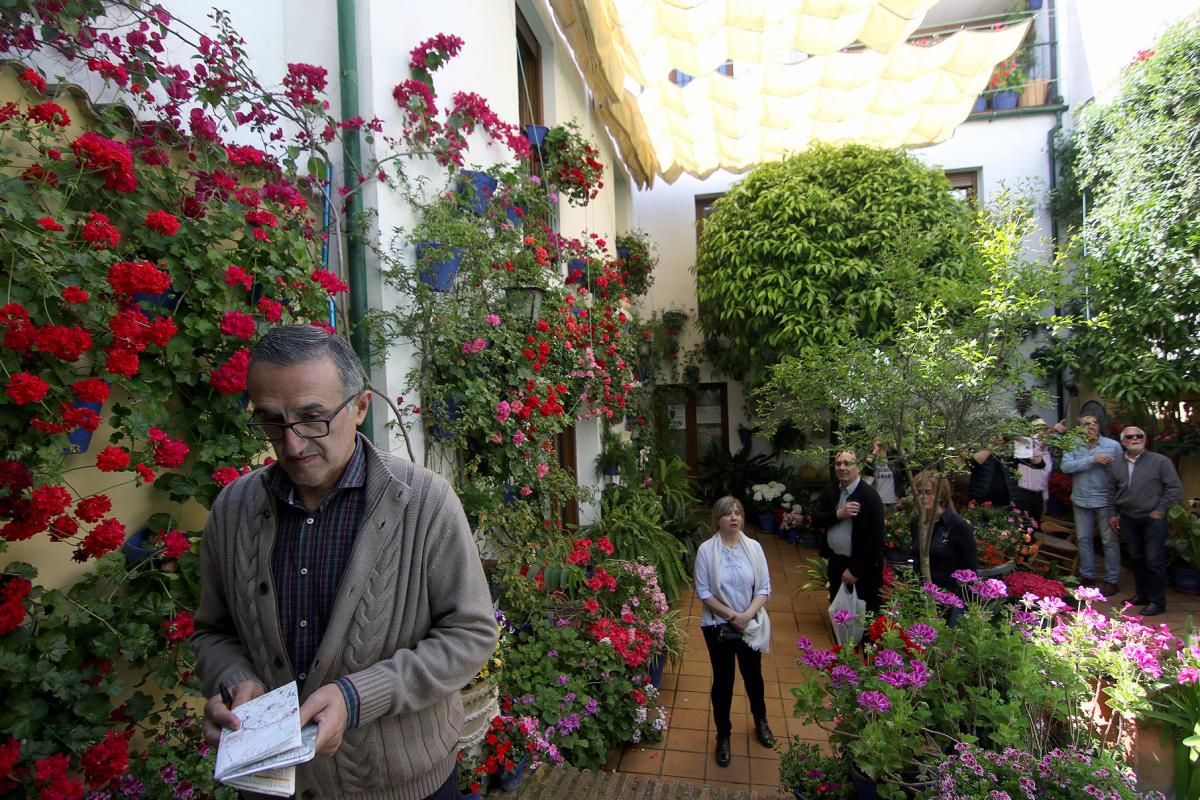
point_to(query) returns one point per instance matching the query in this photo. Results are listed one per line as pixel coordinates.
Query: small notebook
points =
(262, 754)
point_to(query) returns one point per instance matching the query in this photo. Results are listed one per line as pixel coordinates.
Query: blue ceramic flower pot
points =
(442, 265)
(980, 105)
(509, 781)
(81, 438)
(536, 134)
(137, 548)
(1003, 101)
(767, 522)
(577, 271)
(656, 666)
(477, 189)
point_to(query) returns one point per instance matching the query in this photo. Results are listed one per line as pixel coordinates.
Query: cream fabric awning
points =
(803, 71)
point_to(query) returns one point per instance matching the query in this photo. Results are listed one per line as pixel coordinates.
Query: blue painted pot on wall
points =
(536, 134)
(443, 263)
(1002, 101)
(81, 438)
(165, 300)
(451, 411)
(137, 548)
(1034, 5)
(477, 189)
(767, 522)
(980, 105)
(577, 271)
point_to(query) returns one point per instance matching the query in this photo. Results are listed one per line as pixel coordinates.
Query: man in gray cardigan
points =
(350, 571)
(1142, 487)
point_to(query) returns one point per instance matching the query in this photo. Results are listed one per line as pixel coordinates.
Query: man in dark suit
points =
(851, 514)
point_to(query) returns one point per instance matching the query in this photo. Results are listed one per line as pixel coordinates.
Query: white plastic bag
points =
(847, 600)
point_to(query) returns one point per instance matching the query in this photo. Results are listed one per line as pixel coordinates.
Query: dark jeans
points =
(449, 789)
(749, 662)
(867, 588)
(1148, 553)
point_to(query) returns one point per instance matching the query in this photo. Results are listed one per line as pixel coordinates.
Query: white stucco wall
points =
(278, 32)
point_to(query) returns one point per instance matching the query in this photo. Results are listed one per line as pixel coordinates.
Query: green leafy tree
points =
(1136, 160)
(796, 254)
(935, 390)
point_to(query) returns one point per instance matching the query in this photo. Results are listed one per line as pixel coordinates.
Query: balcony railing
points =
(1032, 86)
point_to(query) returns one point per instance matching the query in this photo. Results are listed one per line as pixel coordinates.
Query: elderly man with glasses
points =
(851, 514)
(347, 570)
(1142, 487)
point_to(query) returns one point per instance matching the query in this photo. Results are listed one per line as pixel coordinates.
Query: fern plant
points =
(633, 522)
(670, 480)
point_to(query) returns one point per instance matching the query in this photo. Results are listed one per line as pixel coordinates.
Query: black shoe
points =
(1084, 580)
(1153, 610)
(765, 737)
(723, 753)
(1136, 600)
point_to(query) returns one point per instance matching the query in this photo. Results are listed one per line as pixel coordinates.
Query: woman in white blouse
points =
(733, 583)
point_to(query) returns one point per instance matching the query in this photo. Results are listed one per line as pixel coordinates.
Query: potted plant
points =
(1000, 534)
(570, 164)
(1184, 542)
(1005, 84)
(764, 500)
(638, 259)
(1060, 774)
(808, 773)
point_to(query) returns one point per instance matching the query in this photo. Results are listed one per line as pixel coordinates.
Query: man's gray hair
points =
(289, 345)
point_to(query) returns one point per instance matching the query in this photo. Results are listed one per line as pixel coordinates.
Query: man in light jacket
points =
(349, 571)
(1088, 468)
(1142, 487)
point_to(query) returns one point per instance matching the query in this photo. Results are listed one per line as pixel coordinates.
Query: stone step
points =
(569, 783)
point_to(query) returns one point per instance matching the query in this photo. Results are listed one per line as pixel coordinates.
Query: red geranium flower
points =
(179, 628)
(25, 388)
(49, 223)
(112, 459)
(92, 509)
(238, 324)
(99, 232)
(138, 277)
(104, 538)
(163, 222)
(75, 295)
(230, 378)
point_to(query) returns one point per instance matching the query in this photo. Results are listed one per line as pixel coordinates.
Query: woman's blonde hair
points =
(722, 508)
(943, 496)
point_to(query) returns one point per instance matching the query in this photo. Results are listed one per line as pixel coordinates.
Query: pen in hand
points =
(226, 697)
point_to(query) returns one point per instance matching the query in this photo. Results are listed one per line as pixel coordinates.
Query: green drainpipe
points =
(356, 251)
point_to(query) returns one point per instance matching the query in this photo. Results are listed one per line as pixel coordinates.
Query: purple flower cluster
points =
(843, 617)
(872, 700)
(843, 675)
(990, 589)
(819, 659)
(922, 634)
(945, 598)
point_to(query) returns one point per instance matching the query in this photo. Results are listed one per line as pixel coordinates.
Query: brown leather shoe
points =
(1108, 589)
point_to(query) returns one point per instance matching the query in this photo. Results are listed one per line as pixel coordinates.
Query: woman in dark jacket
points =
(952, 546)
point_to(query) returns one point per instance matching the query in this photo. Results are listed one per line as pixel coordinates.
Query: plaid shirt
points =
(311, 553)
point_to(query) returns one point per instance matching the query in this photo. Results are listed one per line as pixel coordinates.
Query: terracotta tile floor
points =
(686, 752)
